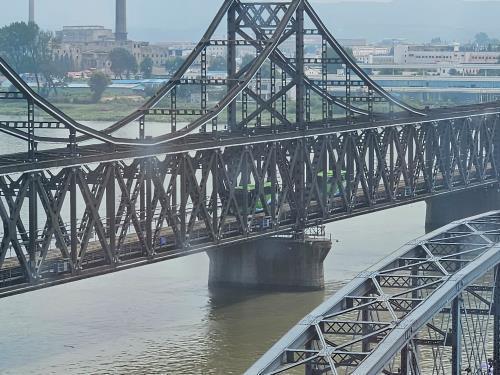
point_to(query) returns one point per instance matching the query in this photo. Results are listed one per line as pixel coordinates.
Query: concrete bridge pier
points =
(444, 209)
(273, 263)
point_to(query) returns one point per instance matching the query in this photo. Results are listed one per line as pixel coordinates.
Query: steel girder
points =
(74, 155)
(432, 307)
(156, 208)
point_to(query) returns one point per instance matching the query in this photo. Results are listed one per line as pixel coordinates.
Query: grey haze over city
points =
(162, 20)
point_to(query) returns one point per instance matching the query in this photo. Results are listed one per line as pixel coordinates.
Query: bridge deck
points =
(132, 253)
(59, 157)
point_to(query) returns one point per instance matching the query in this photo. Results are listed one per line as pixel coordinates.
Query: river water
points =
(163, 318)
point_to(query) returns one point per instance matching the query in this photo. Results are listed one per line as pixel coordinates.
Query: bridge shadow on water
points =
(237, 317)
(225, 296)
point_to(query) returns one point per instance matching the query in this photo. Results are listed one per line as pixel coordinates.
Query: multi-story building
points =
(88, 47)
(364, 54)
(433, 54)
(72, 53)
(84, 34)
(380, 59)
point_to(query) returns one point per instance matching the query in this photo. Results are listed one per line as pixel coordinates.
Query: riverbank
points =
(110, 109)
(114, 107)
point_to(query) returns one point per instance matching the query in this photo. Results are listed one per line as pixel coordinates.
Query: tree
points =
(31, 50)
(147, 67)
(98, 83)
(247, 59)
(218, 64)
(332, 68)
(53, 71)
(482, 39)
(173, 64)
(265, 70)
(122, 62)
(18, 45)
(350, 53)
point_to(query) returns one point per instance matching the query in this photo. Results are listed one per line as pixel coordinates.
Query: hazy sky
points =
(159, 20)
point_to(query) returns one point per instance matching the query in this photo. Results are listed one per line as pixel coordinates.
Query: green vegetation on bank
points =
(77, 104)
(98, 83)
(111, 110)
(28, 49)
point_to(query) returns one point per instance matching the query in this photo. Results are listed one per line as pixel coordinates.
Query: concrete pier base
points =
(273, 263)
(444, 209)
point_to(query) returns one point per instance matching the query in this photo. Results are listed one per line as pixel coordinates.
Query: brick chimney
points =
(121, 20)
(32, 11)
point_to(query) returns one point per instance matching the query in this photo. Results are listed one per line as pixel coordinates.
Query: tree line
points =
(31, 50)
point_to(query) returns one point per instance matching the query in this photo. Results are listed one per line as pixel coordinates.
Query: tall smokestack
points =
(121, 20)
(32, 11)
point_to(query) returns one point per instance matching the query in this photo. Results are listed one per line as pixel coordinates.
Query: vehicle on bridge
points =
(332, 182)
(252, 195)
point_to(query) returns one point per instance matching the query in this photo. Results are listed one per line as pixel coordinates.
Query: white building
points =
(363, 54)
(430, 54)
(380, 59)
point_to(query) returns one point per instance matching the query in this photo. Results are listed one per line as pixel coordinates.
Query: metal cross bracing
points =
(209, 159)
(431, 308)
(61, 224)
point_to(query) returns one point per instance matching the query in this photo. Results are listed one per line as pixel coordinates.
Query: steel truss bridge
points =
(210, 161)
(432, 307)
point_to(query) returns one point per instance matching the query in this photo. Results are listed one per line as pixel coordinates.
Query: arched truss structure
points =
(433, 307)
(274, 33)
